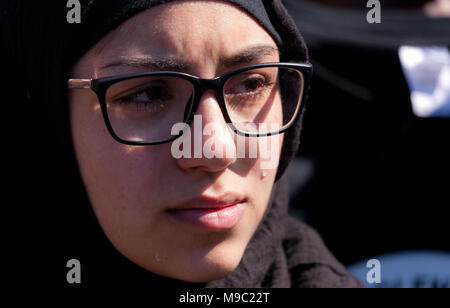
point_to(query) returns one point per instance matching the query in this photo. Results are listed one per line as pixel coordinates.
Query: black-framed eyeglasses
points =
(256, 100)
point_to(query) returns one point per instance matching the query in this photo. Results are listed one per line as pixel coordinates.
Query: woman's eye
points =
(147, 96)
(252, 85)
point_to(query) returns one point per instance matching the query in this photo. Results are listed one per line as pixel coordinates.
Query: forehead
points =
(202, 32)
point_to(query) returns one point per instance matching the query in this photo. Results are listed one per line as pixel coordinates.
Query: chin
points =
(215, 265)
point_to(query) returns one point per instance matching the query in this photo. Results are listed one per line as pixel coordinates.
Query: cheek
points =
(116, 176)
(264, 171)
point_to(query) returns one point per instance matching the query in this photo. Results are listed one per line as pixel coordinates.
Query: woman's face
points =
(137, 192)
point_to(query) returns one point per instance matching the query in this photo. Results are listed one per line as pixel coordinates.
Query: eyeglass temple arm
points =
(80, 83)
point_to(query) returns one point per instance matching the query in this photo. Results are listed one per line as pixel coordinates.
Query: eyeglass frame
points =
(101, 85)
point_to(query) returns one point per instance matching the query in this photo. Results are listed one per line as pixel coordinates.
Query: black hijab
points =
(283, 252)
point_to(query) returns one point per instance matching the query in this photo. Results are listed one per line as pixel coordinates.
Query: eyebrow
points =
(174, 63)
(249, 55)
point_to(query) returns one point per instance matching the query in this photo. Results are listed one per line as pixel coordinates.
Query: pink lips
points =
(210, 213)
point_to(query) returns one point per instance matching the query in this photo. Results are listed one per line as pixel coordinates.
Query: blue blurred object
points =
(408, 269)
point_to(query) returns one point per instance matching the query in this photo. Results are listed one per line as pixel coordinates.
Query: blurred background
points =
(372, 174)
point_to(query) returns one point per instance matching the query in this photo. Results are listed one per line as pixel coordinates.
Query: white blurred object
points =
(427, 71)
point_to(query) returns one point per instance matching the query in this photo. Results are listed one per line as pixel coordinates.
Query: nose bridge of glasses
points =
(204, 85)
(208, 84)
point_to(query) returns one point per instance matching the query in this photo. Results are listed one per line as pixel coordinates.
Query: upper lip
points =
(206, 202)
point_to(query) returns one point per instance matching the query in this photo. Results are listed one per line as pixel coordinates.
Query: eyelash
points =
(154, 104)
(245, 96)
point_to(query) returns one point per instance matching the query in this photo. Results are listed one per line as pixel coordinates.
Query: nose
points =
(212, 141)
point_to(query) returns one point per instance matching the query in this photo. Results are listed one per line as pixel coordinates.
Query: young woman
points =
(151, 100)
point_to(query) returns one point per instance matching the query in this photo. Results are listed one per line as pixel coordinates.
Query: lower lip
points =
(213, 219)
